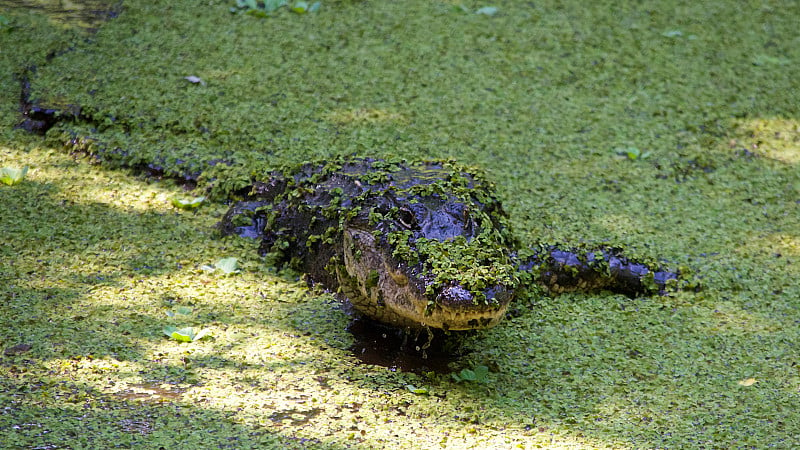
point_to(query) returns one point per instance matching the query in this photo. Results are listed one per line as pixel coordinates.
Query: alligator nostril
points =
(456, 297)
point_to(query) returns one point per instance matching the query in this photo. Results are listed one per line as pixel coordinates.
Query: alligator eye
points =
(406, 217)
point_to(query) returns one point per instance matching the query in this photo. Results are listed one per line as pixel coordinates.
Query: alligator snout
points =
(461, 309)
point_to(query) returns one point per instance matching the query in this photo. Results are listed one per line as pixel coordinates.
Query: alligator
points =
(419, 245)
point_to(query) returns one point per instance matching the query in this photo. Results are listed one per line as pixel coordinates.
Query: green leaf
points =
(12, 175)
(186, 334)
(228, 265)
(181, 336)
(314, 7)
(188, 203)
(632, 153)
(478, 374)
(300, 7)
(467, 374)
(672, 33)
(417, 390)
(257, 13)
(201, 334)
(182, 310)
(481, 374)
(487, 11)
(272, 5)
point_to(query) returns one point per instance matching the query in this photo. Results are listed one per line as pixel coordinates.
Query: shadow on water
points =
(87, 15)
(416, 351)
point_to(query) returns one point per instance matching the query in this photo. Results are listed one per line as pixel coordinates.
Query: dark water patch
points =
(414, 351)
(39, 118)
(18, 349)
(151, 392)
(86, 15)
(294, 416)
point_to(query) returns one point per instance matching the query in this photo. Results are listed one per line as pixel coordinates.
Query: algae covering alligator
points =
(416, 245)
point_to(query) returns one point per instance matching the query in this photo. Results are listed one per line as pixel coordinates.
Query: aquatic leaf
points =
(417, 390)
(272, 5)
(228, 265)
(481, 374)
(12, 175)
(478, 374)
(748, 382)
(257, 13)
(300, 7)
(247, 4)
(487, 11)
(188, 203)
(181, 310)
(314, 7)
(179, 335)
(632, 153)
(672, 33)
(186, 334)
(464, 375)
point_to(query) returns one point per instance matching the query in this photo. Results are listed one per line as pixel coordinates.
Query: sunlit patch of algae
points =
(541, 94)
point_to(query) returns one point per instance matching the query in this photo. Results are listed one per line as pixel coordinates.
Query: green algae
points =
(538, 95)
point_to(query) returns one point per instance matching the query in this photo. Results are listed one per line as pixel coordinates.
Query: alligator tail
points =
(595, 270)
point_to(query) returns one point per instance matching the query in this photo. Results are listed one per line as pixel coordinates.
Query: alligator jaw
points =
(458, 309)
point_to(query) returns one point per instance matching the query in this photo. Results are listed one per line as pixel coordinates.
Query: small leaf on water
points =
(228, 265)
(188, 203)
(186, 334)
(182, 337)
(487, 11)
(672, 33)
(415, 390)
(201, 334)
(185, 310)
(314, 7)
(272, 5)
(465, 375)
(169, 329)
(257, 13)
(481, 373)
(748, 382)
(12, 175)
(300, 7)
